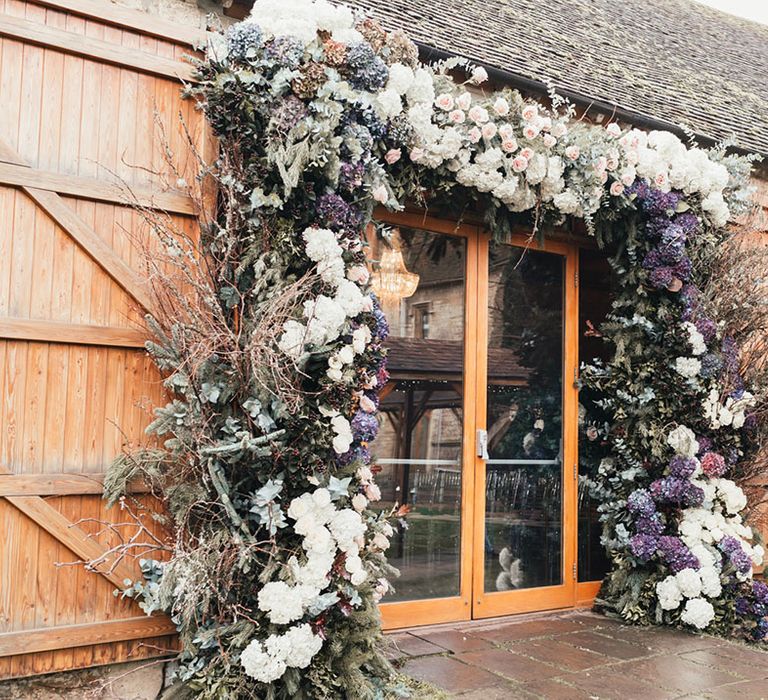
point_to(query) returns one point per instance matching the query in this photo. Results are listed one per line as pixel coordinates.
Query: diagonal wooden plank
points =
(86, 237)
(71, 536)
(70, 636)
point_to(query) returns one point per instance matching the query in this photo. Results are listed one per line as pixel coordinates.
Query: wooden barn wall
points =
(80, 97)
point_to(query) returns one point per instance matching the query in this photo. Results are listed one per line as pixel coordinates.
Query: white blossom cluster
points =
(330, 535)
(730, 413)
(302, 19)
(268, 661)
(664, 160)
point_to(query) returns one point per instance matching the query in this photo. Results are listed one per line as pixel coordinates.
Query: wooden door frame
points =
(471, 601)
(496, 604)
(455, 608)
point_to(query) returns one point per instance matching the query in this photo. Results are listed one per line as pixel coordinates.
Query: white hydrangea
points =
(688, 582)
(302, 19)
(321, 244)
(401, 78)
(698, 612)
(731, 413)
(325, 318)
(668, 593)
(293, 338)
(688, 367)
(683, 441)
(710, 581)
(268, 661)
(343, 437)
(347, 526)
(567, 202)
(388, 103)
(731, 495)
(281, 602)
(422, 89)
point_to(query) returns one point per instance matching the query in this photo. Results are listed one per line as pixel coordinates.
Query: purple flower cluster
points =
(366, 70)
(707, 327)
(732, 548)
(651, 525)
(682, 467)
(382, 325)
(337, 214)
(287, 113)
(365, 427)
(676, 555)
(710, 366)
(675, 491)
(351, 176)
(640, 503)
(644, 546)
(731, 362)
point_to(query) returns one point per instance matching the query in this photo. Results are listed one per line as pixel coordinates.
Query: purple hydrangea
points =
(760, 591)
(351, 176)
(689, 222)
(731, 362)
(651, 525)
(682, 467)
(643, 546)
(640, 503)
(287, 113)
(366, 70)
(676, 555)
(675, 491)
(658, 203)
(338, 214)
(705, 444)
(732, 548)
(365, 427)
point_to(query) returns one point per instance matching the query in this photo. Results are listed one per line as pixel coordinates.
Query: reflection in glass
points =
(419, 444)
(523, 521)
(595, 296)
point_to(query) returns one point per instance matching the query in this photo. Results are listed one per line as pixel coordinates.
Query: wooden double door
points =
(479, 420)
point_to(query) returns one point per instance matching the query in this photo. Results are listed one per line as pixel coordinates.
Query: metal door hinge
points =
(575, 471)
(576, 279)
(574, 571)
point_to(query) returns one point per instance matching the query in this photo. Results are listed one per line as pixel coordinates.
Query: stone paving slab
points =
(578, 656)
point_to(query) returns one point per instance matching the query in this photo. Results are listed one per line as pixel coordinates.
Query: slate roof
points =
(670, 61)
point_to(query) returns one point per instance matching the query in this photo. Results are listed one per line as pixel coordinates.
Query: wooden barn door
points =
(82, 83)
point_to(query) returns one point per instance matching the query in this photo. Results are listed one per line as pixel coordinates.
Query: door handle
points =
(482, 444)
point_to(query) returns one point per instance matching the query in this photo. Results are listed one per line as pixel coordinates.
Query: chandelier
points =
(393, 282)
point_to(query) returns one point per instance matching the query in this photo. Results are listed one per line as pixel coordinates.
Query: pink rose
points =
(616, 189)
(474, 134)
(359, 274)
(444, 101)
(380, 194)
(603, 177)
(612, 163)
(506, 131)
(417, 154)
(527, 153)
(478, 114)
(544, 123)
(489, 130)
(393, 155)
(549, 140)
(572, 152)
(660, 180)
(627, 177)
(519, 164)
(509, 145)
(372, 491)
(501, 107)
(531, 132)
(530, 112)
(464, 100)
(613, 129)
(457, 116)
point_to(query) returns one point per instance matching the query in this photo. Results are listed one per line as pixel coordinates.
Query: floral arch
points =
(275, 359)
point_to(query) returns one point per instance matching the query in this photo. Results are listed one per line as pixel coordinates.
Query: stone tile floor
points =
(577, 655)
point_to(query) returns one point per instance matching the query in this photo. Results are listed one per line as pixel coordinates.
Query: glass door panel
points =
(524, 493)
(420, 278)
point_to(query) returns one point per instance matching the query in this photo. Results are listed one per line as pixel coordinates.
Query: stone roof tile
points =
(670, 60)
